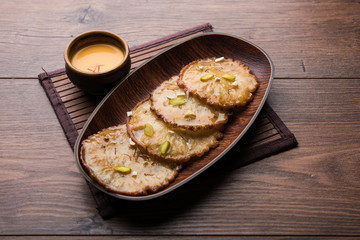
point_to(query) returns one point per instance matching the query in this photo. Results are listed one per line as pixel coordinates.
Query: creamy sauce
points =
(97, 58)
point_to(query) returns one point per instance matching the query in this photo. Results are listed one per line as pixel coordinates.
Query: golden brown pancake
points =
(162, 140)
(178, 108)
(220, 82)
(112, 160)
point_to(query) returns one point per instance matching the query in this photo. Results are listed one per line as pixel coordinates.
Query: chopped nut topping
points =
(219, 59)
(170, 97)
(164, 147)
(177, 101)
(122, 169)
(180, 93)
(131, 142)
(229, 77)
(148, 130)
(206, 77)
(188, 144)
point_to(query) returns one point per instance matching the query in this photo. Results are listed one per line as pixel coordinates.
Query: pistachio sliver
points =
(164, 147)
(177, 101)
(229, 77)
(122, 169)
(206, 77)
(148, 130)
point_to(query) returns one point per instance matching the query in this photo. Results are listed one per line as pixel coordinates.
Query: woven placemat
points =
(267, 136)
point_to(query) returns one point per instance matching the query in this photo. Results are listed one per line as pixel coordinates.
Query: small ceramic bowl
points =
(91, 80)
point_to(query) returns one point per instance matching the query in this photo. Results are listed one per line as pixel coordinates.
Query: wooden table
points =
(307, 192)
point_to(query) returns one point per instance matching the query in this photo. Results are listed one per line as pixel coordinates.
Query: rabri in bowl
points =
(95, 61)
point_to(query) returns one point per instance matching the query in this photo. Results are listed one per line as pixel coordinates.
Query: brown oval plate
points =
(138, 85)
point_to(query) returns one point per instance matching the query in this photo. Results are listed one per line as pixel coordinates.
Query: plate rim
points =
(201, 170)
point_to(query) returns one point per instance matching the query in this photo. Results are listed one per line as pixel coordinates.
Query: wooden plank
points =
(74, 100)
(180, 237)
(67, 87)
(59, 79)
(311, 101)
(80, 105)
(80, 119)
(84, 111)
(79, 126)
(73, 91)
(74, 95)
(62, 82)
(145, 54)
(312, 190)
(304, 38)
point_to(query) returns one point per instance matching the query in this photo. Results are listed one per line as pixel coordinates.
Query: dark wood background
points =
(307, 192)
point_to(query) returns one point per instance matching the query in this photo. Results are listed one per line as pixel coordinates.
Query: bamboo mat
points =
(267, 136)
